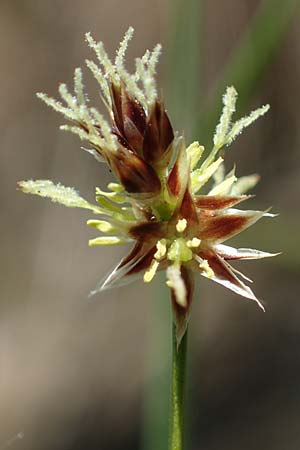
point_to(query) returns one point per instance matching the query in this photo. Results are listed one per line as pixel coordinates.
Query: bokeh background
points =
(93, 374)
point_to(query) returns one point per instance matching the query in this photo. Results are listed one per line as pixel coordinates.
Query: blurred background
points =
(93, 374)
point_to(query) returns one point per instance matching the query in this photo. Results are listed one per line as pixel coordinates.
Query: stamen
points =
(150, 273)
(107, 240)
(194, 243)
(161, 249)
(101, 225)
(115, 187)
(200, 176)
(206, 268)
(194, 152)
(116, 197)
(181, 225)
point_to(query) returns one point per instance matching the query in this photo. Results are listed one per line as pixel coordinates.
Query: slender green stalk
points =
(183, 76)
(157, 369)
(177, 393)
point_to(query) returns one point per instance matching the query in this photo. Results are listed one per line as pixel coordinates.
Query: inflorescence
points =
(160, 201)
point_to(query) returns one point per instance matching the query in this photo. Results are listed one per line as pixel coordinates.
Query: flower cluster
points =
(157, 203)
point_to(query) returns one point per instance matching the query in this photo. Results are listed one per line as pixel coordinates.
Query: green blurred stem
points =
(177, 392)
(182, 79)
(249, 60)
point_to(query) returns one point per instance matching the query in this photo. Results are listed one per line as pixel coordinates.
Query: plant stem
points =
(177, 393)
(157, 370)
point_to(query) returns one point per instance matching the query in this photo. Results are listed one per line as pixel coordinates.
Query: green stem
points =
(177, 393)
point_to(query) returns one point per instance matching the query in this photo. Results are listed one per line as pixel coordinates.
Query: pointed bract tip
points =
(260, 305)
(268, 214)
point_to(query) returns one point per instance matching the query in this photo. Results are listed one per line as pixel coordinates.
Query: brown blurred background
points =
(92, 374)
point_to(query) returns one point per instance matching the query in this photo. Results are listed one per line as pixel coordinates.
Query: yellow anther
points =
(181, 225)
(107, 240)
(150, 273)
(101, 225)
(193, 243)
(161, 249)
(194, 152)
(206, 268)
(115, 187)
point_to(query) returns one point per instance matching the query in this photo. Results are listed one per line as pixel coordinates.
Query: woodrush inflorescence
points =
(156, 203)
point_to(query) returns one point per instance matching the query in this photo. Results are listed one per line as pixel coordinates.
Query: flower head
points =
(157, 202)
